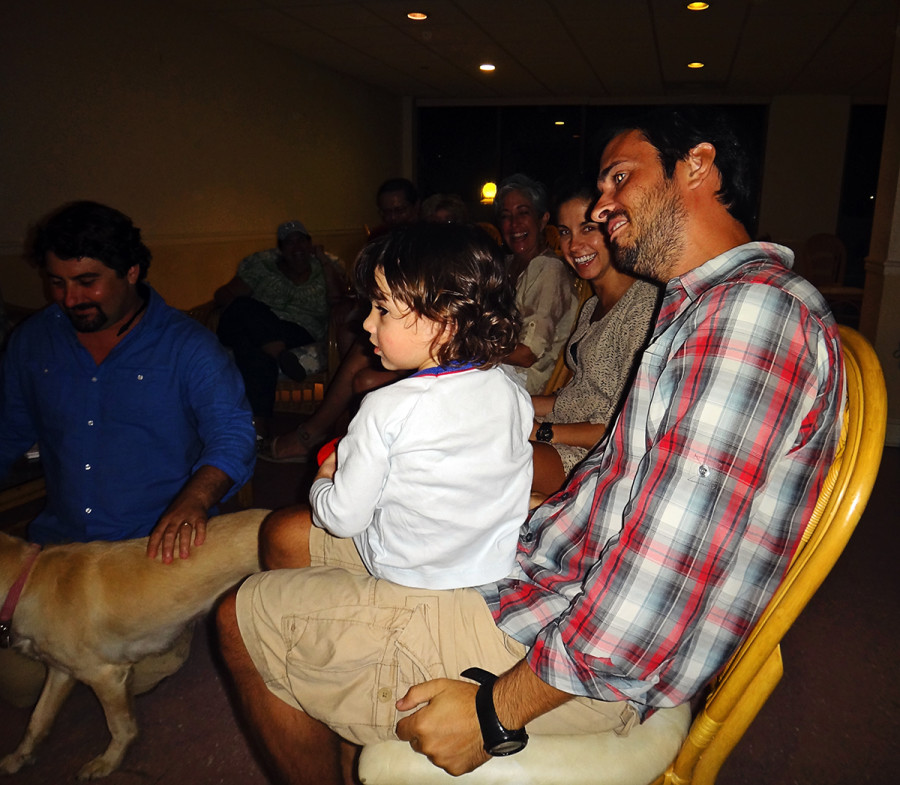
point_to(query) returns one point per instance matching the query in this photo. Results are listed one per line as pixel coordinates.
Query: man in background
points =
(398, 204)
(279, 301)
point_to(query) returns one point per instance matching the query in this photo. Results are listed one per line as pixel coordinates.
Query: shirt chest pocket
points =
(147, 396)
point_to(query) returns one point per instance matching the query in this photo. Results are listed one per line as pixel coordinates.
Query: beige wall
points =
(206, 140)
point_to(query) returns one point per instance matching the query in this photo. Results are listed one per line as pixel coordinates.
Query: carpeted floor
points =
(833, 720)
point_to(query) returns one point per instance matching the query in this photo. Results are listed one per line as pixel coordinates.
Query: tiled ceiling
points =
(584, 50)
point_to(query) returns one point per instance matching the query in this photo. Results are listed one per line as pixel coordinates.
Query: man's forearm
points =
(207, 486)
(520, 696)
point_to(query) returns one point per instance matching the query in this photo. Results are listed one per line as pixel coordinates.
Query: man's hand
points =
(446, 730)
(176, 527)
(186, 516)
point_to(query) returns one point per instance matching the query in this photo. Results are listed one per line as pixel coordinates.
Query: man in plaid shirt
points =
(638, 580)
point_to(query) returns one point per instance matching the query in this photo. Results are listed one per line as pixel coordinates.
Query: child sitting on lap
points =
(432, 479)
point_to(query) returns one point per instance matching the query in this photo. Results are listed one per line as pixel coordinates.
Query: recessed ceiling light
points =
(560, 122)
(417, 16)
(487, 66)
(697, 6)
(696, 64)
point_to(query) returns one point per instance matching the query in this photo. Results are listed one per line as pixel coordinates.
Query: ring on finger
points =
(186, 523)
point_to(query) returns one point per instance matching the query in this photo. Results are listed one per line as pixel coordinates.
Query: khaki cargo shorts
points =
(343, 646)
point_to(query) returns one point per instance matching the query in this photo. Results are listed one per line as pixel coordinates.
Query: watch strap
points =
(498, 740)
(544, 432)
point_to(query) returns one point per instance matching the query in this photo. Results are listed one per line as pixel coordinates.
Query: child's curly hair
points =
(454, 275)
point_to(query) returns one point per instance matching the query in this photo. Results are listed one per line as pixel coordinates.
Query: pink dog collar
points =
(12, 598)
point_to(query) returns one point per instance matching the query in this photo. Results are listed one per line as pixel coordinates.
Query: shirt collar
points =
(440, 370)
(709, 274)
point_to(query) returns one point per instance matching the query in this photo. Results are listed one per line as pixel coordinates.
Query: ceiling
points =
(584, 51)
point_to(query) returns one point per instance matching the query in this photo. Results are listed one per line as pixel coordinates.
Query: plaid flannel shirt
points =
(640, 578)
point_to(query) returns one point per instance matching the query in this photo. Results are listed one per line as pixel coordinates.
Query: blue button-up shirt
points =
(120, 439)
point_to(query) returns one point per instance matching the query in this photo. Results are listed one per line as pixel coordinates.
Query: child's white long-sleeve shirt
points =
(433, 478)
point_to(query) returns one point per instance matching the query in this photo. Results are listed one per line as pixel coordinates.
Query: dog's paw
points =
(97, 768)
(14, 761)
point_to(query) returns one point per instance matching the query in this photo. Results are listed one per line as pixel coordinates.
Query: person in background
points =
(444, 208)
(359, 371)
(279, 300)
(611, 331)
(636, 583)
(139, 412)
(398, 204)
(545, 288)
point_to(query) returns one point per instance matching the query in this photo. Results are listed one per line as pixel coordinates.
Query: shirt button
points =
(140, 377)
(528, 537)
(91, 423)
(93, 378)
(384, 695)
(88, 510)
(87, 467)
(703, 471)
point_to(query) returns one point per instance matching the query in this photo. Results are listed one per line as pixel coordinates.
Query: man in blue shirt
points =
(140, 414)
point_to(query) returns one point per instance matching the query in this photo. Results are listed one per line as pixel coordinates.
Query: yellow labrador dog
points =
(91, 610)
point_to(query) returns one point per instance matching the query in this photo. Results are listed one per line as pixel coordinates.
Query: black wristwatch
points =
(498, 741)
(544, 432)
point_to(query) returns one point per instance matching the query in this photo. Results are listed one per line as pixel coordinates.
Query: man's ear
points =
(133, 274)
(699, 165)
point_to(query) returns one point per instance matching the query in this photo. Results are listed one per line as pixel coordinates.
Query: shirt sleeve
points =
(546, 297)
(250, 269)
(346, 506)
(215, 393)
(729, 476)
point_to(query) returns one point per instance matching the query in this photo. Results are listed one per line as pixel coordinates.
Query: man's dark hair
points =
(454, 275)
(410, 192)
(675, 132)
(91, 230)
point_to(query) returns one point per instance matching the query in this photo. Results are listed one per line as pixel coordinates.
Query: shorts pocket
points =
(348, 665)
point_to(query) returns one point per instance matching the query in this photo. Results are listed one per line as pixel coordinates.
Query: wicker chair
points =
(672, 748)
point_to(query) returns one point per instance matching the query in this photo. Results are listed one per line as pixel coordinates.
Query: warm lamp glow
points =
(487, 66)
(696, 64)
(417, 16)
(697, 6)
(488, 192)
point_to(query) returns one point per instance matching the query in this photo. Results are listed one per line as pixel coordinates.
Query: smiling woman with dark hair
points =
(609, 335)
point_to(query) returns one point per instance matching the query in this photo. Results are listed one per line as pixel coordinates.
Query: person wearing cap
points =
(279, 300)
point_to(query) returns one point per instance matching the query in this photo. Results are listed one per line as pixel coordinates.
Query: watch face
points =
(507, 747)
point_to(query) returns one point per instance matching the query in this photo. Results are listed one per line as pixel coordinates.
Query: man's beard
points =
(87, 318)
(657, 238)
